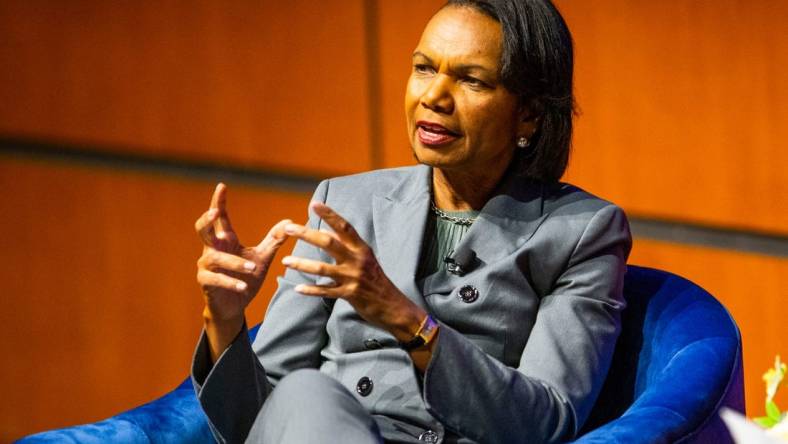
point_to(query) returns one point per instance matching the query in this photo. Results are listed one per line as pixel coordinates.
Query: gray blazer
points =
(523, 362)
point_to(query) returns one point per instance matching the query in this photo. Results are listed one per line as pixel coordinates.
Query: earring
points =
(522, 142)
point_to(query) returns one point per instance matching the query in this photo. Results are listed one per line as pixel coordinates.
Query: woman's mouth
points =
(433, 134)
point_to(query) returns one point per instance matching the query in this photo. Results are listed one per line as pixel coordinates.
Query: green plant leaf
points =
(772, 411)
(765, 422)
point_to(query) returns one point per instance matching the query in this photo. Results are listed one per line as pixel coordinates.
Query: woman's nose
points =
(437, 97)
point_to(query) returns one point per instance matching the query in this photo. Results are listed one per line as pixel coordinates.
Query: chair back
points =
(677, 361)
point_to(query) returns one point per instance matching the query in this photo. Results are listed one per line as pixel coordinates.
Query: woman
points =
(472, 298)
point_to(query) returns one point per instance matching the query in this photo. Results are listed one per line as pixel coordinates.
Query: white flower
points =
(780, 430)
(773, 377)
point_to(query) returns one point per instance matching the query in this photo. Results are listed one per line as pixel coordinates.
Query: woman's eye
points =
(423, 69)
(474, 82)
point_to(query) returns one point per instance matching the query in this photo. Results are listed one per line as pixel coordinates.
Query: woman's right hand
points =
(230, 274)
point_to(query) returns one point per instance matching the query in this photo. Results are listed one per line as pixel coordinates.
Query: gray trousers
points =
(309, 407)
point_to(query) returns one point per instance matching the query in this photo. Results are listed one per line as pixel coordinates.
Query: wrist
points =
(223, 326)
(407, 324)
(424, 336)
(422, 356)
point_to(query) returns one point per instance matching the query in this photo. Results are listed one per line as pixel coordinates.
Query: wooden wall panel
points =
(684, 108)
(682, 104)
(270, 84)
(101, 310)
(753, 288)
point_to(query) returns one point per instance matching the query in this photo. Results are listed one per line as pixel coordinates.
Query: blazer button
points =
(429, 436)
(372, 344)
(469, 294)
(364, 386)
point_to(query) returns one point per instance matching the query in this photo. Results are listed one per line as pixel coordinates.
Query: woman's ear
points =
(528, 119)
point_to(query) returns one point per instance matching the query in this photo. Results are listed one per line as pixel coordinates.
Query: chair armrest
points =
(109, 430)
(174, 418)
(683, 400)
(638, 425)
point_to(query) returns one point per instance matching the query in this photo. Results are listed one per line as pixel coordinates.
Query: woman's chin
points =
(427, 157)
(436, 157)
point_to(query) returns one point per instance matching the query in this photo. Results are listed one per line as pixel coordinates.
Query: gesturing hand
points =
(357, 275)
(229, 273)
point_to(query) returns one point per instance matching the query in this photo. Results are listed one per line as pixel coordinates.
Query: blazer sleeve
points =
(232, 391)
(563, 366)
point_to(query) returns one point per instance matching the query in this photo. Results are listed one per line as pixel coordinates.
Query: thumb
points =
(276, 236)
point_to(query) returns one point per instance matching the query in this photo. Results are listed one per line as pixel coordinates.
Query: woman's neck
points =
(459, 191)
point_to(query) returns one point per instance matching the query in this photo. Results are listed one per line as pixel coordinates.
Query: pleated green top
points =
(440, 239)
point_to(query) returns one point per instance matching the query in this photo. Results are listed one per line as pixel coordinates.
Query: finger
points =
(217, 195)
(274, 239)
(329, 242)
(341, 227)
(313, 267)
(212, 280)
(214, 260)
(219, 202)
(204, 226)
(333, 292)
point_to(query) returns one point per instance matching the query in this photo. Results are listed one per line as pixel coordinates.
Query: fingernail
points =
(220, 235)
(299, 287)
(291, 228)
(249, 266)
(240, 286)
(287, 260)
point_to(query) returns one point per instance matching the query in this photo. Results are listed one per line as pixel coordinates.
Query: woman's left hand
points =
(357, 275)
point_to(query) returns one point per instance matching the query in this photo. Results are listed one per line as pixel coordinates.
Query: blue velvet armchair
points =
(676, 363)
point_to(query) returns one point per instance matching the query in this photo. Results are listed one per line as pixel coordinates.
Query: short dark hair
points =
(537, 65)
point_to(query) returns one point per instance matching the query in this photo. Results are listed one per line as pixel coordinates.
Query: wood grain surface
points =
(101, 309)
(249, 82)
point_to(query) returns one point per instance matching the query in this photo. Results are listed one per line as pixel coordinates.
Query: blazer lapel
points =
(506, 222)
(400, 219)
(508, 219)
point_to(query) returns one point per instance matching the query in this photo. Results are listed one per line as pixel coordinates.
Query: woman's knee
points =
(304, 384)
(309, 406)
(309, 389)
(304, 377)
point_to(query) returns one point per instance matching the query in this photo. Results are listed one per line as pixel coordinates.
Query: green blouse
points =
(440, 238)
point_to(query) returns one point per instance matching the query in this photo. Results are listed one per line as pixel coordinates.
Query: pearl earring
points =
(522, 142)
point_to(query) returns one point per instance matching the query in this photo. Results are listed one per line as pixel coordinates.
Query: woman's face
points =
(460, 117)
